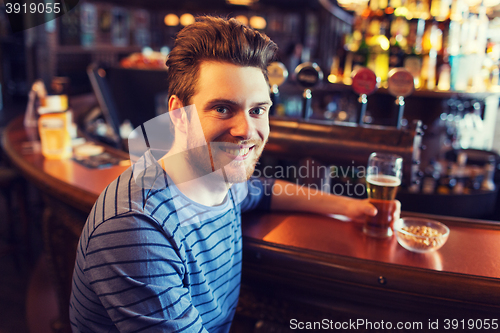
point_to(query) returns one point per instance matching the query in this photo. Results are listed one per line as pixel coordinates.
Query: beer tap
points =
(308, 75)
(277, 75)
(364, 83)
(400, 84)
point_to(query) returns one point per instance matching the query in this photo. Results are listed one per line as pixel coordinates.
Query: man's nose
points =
(242, 126)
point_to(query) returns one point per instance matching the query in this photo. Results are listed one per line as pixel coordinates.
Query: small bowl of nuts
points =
(420, 235)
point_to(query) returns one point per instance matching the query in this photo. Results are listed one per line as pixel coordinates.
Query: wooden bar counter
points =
(300, 266)
(331, 264)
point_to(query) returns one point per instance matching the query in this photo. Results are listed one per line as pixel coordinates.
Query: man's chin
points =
(235, 173)
(235, 180)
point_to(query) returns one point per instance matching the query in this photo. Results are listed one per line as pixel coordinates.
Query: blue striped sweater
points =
(140, 269)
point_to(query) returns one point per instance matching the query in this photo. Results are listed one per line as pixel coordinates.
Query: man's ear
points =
(177, 113)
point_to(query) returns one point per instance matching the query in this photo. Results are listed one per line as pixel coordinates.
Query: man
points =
(161, 250)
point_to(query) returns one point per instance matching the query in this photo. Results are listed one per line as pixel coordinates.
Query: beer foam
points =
(383, 180)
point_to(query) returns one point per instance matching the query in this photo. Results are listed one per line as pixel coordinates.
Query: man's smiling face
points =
(232, 103)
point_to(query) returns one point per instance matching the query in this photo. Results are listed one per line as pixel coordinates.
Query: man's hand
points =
(358, 210)
(291, 197)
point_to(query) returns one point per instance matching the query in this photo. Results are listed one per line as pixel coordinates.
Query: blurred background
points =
(451, 47)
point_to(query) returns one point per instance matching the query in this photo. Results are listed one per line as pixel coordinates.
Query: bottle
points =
(431, 177)
(55, 126)
(479, 54)
(454, 55)
(399, 29)
(444, 77)
(474, 181)
(378, 59)
(461, 66)
(440, 9)
(436, 42)
(460, 174)
(478, 139)
(360, 56)
(431, 45)
(452, 181)
(466, 126)
(489, 173)
(396, 53)
(413, 63)
(447, 182)
(413, 60)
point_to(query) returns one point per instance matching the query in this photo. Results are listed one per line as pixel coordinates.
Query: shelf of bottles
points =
(446, 45)
(446, 177)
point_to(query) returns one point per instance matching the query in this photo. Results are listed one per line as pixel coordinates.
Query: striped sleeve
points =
(140, 276)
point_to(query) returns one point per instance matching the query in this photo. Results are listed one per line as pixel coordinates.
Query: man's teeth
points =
(242, 151)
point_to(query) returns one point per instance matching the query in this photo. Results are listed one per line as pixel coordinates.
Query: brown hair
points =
(216, 39)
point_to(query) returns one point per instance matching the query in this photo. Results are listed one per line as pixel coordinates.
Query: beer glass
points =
(383, 178)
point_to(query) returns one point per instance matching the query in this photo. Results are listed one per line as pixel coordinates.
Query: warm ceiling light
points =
(171, 20)
(258, 22)
(242, 19)
(187, 19)
(241, 2)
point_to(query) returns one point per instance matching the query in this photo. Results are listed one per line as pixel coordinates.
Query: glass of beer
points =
(383, 178)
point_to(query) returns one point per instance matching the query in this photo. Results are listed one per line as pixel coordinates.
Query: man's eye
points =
(221, 109)
(258, 111)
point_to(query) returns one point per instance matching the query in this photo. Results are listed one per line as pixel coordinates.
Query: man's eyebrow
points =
(216, 101)
(268, 102)
(221, 101)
